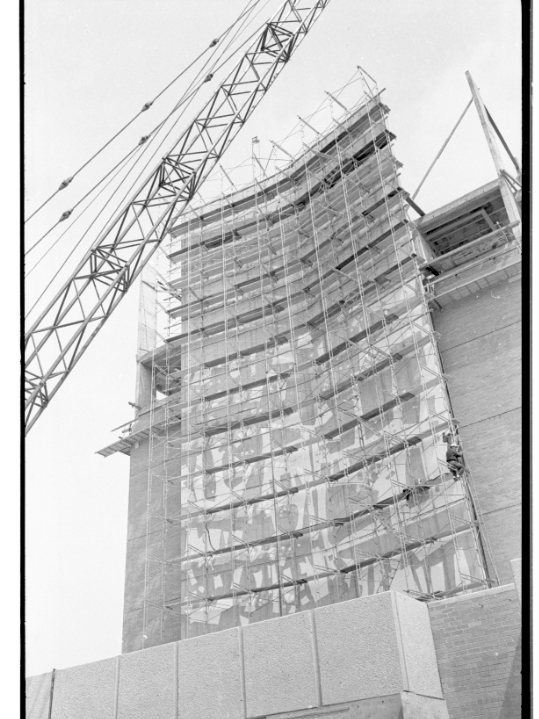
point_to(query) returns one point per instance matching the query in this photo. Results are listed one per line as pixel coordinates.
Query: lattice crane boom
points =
(63, 331)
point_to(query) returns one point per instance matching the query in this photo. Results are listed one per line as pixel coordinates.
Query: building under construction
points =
(289, 447)
(309, 347)
(320, 351)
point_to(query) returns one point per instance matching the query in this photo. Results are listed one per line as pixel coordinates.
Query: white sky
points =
(90, 66)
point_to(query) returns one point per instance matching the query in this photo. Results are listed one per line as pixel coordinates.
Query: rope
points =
(504, 143)
(442, 148)
(38, 262)
(68, 213)
(73, 249)
(65, 183)
(185, 100)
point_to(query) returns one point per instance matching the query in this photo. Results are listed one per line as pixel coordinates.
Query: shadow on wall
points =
(512, 703)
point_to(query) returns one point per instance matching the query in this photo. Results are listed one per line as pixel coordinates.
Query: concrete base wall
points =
(385, 656)
(477, 639)
(38, 696)
(516, 566)
(404, 705)
(369, 657)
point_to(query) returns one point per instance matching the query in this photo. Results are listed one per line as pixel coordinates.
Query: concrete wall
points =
(368, 657)
(149, 539)
(516, 566)
(477, 639)
(38, 696)
(481, 356)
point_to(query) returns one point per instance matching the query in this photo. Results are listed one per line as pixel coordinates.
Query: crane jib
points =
(66, 327)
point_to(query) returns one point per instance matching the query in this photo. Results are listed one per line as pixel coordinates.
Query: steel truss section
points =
(59, 337)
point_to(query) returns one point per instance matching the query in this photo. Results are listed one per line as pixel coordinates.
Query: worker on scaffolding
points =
(454, 457)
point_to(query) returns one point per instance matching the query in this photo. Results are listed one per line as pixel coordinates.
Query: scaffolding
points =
(294, 431)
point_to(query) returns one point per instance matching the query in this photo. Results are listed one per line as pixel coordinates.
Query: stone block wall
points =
(368, 657)
(477, 639)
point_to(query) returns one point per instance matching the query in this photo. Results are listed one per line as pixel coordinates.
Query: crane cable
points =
(188, 100)
(182, 101)
(65, 183)
(116, 167)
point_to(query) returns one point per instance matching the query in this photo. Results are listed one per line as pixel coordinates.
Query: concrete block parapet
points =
(516, 566)
(38, 696)
(478, 646)
(86, 691)
(374, 646)
(280, 665)
(374, 656)
(210, 677)
(147, 684)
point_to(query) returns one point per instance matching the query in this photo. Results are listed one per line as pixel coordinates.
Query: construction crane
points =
(58, 338)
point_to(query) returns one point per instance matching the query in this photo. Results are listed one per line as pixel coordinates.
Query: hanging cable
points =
(442, 148)
(65, 183)
(186, 98)
(187, 101)
(68, 213)
(75, 247)
(116, 167)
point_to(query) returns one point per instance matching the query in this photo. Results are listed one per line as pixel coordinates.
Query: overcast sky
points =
(90, 65)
